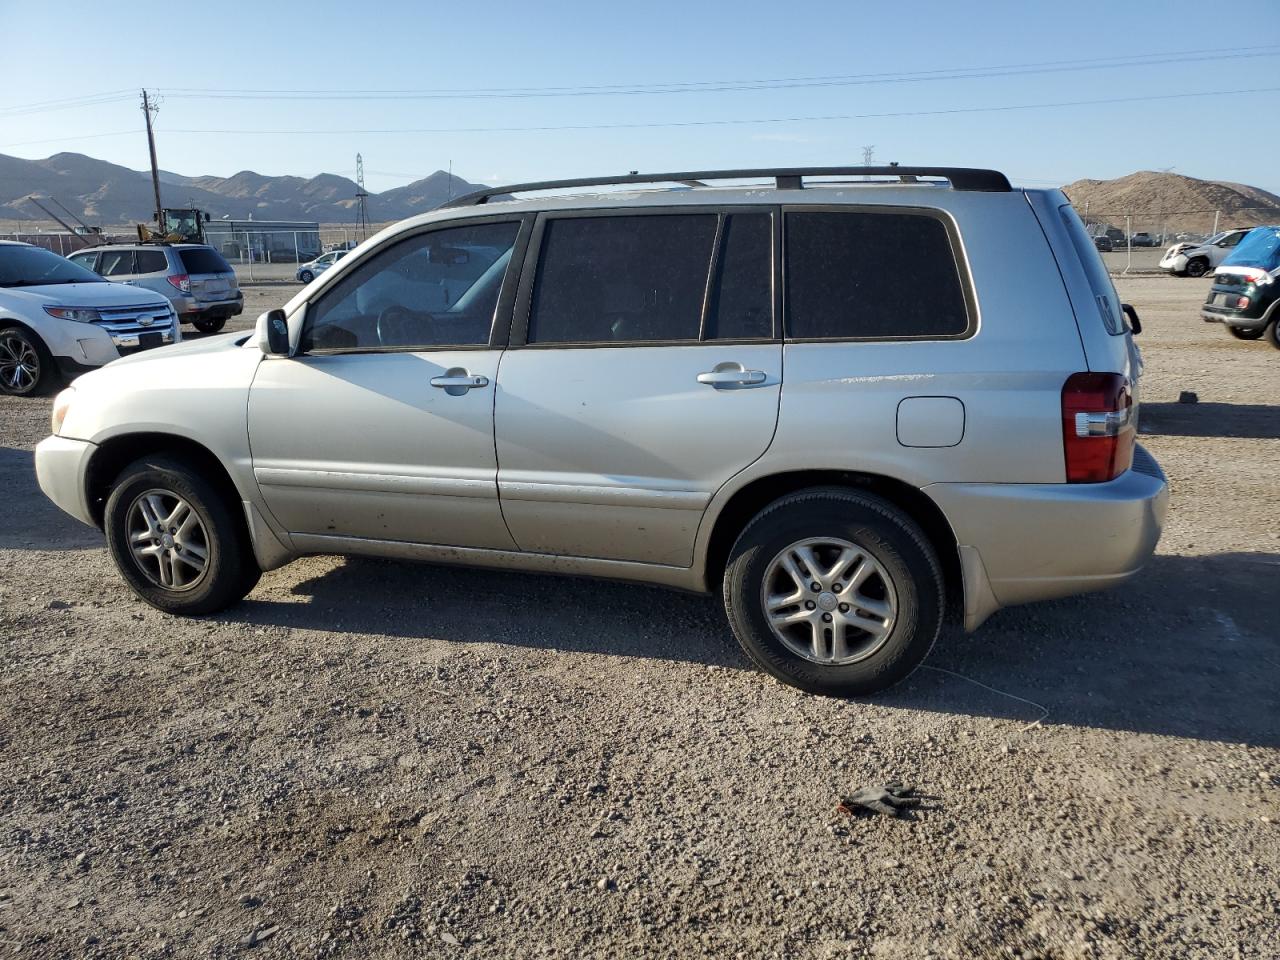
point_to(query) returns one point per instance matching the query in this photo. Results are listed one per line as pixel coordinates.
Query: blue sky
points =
(77, 49)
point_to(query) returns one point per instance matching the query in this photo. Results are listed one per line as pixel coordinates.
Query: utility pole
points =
(362, 196)
(149, 110)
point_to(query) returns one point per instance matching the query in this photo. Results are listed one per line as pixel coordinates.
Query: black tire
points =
(1273, 333)
(1246, 333)
(230, 570)
(306, 276)
(209, 324)
(20, 352)
(884, 533)
(1197, 267)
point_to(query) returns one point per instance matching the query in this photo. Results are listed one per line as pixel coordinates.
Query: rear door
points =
(152, 271)
(644, 372)
(212, 279)
(117, 265)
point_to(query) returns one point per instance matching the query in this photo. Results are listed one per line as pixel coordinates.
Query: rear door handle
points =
(732, 375)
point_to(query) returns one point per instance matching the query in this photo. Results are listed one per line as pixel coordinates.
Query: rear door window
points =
(741, 302)
(86, 260)
(152, 261)
(622, 279)
(116, 263)
(1104, 291)
(197, 260)
(861, 275)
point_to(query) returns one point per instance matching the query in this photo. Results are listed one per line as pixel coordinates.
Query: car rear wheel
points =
(176, 540)
(1247, 333)
(26, 366)
(1273, 333)
(209, 324)
(306, 276)
(1197, 267)
(834, 591)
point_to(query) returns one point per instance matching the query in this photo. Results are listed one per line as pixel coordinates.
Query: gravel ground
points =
(371, 759)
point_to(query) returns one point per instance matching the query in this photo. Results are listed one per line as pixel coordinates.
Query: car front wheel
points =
(306, 276)
(1197, 267)
(834, 591)
(26, 366)
(176, 540)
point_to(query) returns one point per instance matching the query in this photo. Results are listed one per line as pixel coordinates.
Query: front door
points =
(644, 372)
(381, 425)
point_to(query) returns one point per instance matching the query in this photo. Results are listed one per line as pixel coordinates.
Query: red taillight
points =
(1098, 426)
(182, 282)
(1242, 303)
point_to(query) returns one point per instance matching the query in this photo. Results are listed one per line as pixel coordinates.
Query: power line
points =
(724, 86)
(686, 123)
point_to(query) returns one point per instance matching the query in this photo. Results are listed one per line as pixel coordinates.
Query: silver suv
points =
(847, 405)
(197, 280)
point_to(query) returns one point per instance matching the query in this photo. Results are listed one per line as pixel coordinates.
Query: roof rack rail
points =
(787, 178)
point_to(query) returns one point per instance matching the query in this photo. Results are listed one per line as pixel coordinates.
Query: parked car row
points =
(654, 386)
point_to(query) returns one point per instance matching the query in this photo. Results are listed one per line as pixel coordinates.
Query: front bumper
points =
(1176, 264)
(1021, 542)
(62, 465)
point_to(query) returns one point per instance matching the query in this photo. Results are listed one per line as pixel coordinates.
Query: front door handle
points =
(732, 375)
(456, 381)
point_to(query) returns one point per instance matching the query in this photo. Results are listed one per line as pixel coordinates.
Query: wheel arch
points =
(733, 517)
(113, 455)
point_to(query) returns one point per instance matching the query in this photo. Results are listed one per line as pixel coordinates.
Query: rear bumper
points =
(1026, 542)
(61, 465)
(221, 308)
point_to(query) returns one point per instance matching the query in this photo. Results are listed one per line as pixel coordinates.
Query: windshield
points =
(23, 266)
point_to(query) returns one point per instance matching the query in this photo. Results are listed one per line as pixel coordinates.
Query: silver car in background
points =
(845, 405)
(196, 279)
(312, 269)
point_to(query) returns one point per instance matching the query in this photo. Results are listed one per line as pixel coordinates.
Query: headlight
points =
(78, 314)
(61, 404)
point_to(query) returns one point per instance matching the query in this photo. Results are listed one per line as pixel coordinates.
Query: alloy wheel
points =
(829, 601)
(19, 364)
(168, 540)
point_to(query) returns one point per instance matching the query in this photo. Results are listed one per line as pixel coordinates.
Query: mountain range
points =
(110, 195)
(107, 194)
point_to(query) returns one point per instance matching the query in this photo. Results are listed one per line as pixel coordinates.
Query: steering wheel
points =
(399, 327)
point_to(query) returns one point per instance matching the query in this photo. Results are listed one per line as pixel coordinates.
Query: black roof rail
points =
(786, 178)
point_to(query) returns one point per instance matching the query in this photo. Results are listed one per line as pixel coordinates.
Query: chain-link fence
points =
(1138, 238)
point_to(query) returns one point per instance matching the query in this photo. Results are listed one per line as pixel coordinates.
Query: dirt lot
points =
(371, 759)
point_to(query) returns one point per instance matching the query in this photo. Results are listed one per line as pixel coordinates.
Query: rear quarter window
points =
(1104, 291)
(152, 261)
(860, 275)
(203, 260)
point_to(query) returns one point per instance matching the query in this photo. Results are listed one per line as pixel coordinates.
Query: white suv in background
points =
(1197, 259)
(57, 318)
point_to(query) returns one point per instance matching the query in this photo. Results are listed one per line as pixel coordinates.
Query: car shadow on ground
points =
(28, 519)
(1241, 420)
(1186, 650)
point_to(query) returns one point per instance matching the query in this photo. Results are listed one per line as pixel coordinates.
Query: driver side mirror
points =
(273, 333)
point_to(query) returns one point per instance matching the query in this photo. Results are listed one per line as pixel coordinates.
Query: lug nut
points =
(809, 604)
(844, 608)
(826, 618)
(816, 587)
(837, 587)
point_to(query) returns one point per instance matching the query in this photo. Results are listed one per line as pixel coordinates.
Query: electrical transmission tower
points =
(868, 154)
(362, 196)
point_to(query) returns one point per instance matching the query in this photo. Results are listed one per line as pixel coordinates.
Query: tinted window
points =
(152, 261)
(203, 260)
(85, 260)
(115, 263)
(622, 279)
(434, 289)
(1104, 291)
(878, 275)
(24, 266)
(741, 306)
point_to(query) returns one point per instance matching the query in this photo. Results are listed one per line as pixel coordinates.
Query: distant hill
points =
(1179, 203)
(110, 195)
